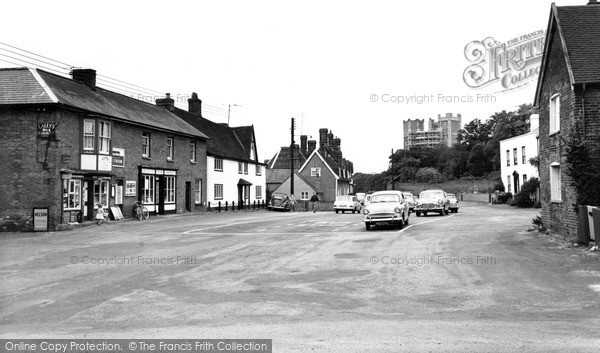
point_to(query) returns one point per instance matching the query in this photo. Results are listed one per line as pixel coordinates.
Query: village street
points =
(471, 281)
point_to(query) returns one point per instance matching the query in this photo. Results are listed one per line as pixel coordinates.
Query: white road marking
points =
(595, 287)
(335, 230)
(433, 220)
(229, 225)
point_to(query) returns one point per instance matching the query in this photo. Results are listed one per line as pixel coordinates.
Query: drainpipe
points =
(583, 111)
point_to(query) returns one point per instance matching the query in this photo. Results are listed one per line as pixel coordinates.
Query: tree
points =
(474, 132)
(478, 163)
(428, 175)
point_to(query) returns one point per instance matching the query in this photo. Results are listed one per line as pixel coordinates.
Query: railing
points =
(220, 206)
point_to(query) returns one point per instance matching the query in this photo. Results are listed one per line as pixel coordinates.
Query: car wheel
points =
(400, 224)
(407, 218)
(456, 210)
(424, 213)
(418, 214)
(442, 212)
(337, 211)
(343, 211)
(368, 226)
(447, 211)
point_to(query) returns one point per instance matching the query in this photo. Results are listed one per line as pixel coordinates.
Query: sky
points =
(334, 64)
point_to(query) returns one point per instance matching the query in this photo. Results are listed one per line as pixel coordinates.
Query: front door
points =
(159, 196)
(188, 196)
(516, 184)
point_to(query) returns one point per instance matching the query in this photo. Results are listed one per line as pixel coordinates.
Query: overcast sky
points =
(317, 61)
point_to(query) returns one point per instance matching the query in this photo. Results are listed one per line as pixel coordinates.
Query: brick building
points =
(324, 171)
(68, 146)
(568, 99)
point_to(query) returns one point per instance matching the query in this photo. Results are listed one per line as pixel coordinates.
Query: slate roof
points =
(578, 30)
(20, 86)
(224, 142)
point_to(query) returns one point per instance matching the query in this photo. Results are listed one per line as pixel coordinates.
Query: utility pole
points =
(292, 158)
(229, 111)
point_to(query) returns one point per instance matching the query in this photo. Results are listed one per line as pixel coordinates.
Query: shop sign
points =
(40, 219)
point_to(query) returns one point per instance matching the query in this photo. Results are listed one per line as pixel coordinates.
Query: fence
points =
(233, 206)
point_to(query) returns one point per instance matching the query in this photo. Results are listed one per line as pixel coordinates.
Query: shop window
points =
(73, 195)
(101, 193)
(148, 189)
(169, 189)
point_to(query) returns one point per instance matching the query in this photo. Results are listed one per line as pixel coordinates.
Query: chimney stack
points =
(330, 138)
(85, 76)
(195, 105)
(322, 138)
(303, 145)
(534, 122)
(593, 2)
(312, 145)
(167, 102)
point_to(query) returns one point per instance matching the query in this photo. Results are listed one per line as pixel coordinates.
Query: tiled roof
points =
(20, 85)
(245, 135)
(282, 160)
(223, 141)
(277, 175)
(579, 26)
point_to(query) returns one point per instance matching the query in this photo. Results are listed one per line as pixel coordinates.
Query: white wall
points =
(528, 140)
(230, 177)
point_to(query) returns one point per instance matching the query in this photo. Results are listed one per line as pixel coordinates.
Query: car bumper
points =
(344, 208)
(429, 208)
(383, 218)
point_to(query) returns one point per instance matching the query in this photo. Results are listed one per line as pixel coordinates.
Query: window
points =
(258, 192)
(170, 148)
(508, 158)
(240, 168)
(169, 189)
(219, 164)
(555, 194)
(245, 168)
(258, 170)
(524, 155)
(198, 191)
(304, 195)
(101, 193)
(218, 191)
(524, 178)
(193, 151)
(515, 157)
(315, 171)
(555, 113)
(148, 189)
(73, 195)
(508, 186)
(146, 144)
(89, 135)
(104, 133)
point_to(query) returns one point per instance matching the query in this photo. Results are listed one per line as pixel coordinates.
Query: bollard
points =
(208, 206)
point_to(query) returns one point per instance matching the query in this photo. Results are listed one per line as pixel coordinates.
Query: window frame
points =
(315, 171)
(146, 144)
(198, 191)
(258, 169)
(240, 168)
(104, 138)
(89, 137)
(524, 154)
(246, 168)
(515, 156)
(258, 191)
(170, 148)
(302, 197)
(170, 189)
(192, 151)
(73, 193)
(554, 114)
(508, 158)
(555, 183)
(218, 191)
(217, 162)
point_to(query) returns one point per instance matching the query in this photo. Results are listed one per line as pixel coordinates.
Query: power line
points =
(28, 62)
(41, 56)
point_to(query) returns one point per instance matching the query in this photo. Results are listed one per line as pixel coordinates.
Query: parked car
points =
(361, 197)
(432, 201)
(453, 203)
(386, 207)
(346, 203)
(280, 202)
(410, 199)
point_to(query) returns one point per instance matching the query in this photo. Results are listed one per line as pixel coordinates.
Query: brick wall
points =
(561, 217)
(32, 176)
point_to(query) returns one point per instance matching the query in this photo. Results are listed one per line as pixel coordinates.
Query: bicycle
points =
(141, 212)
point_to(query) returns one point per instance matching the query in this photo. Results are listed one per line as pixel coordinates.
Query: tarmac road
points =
(471, 281)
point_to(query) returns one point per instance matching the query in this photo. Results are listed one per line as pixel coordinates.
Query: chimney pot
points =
(85, 76)
(303, 143)
(167, 102)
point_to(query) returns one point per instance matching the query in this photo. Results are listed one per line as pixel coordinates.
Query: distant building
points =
(324, 170)
(444, 131)
(568, 97)
(515, 153)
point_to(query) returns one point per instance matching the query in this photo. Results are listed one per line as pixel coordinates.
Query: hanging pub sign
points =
(45, 129)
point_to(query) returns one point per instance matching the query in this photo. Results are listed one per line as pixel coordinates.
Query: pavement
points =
(319, 282)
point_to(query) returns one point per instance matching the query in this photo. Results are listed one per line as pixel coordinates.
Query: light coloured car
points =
(434, 200)
(367, 199)
(453, 203)
(361, 197)
(386, 207)
(346, 203)
(410, 199)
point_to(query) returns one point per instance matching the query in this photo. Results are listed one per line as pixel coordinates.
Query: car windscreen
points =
(385, 198)
(450, 196)
(431, 195)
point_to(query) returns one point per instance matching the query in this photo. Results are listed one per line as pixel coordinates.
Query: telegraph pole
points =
(292, 158)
